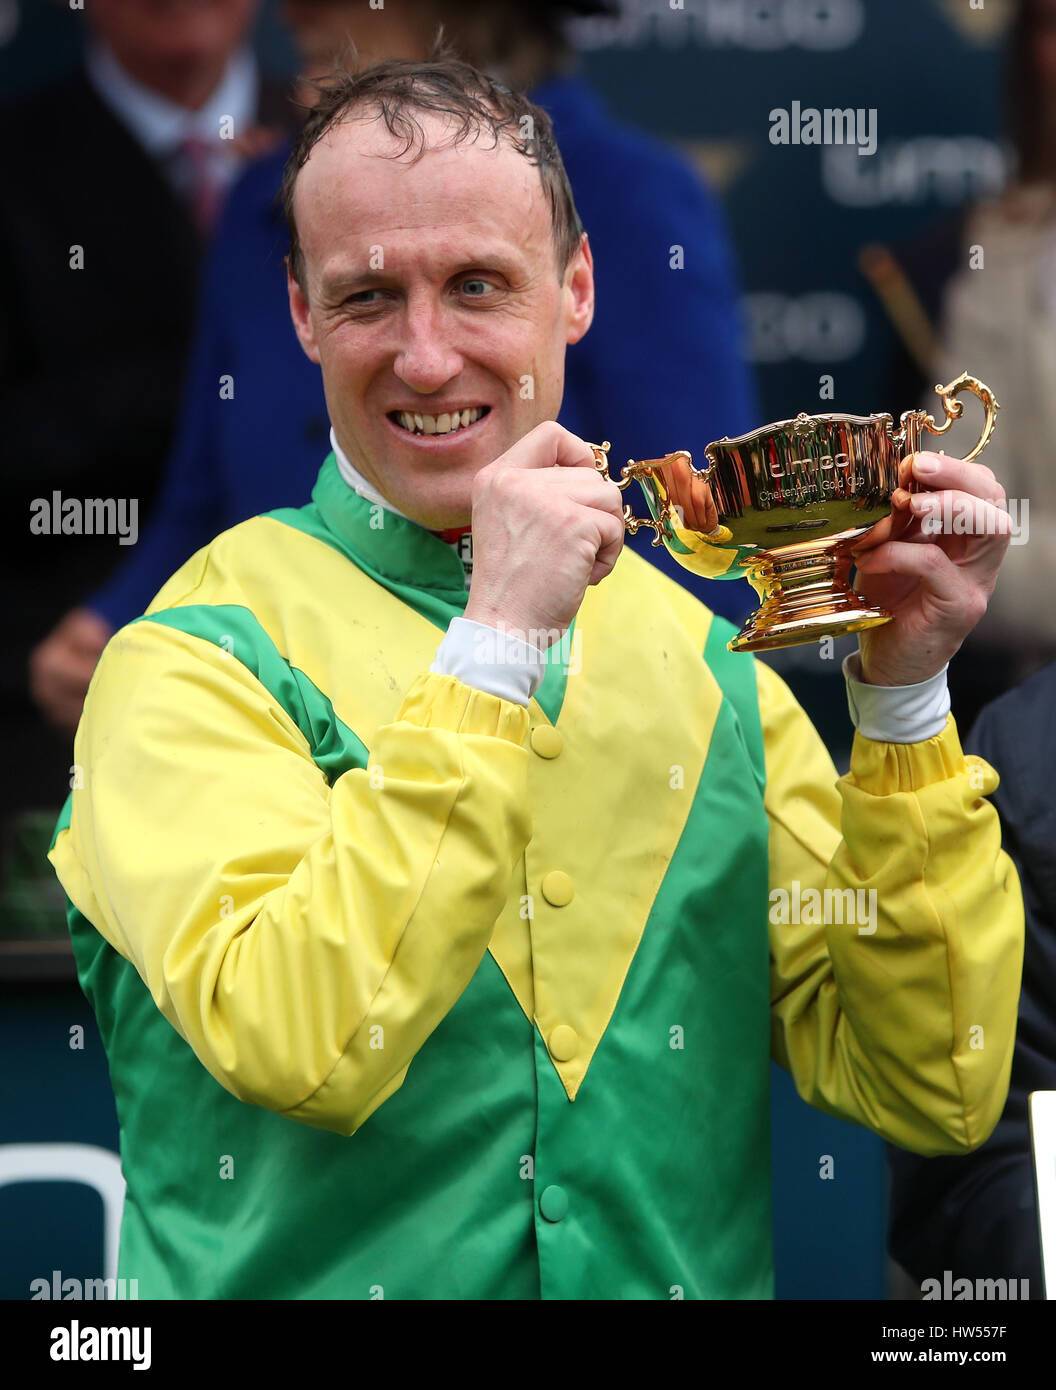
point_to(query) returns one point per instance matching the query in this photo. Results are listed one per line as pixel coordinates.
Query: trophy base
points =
(806, 596)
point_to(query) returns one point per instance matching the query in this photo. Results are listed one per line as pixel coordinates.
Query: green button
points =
(554, 1203)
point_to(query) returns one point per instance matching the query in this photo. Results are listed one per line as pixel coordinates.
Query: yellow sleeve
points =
(305, 939)
(903, 1018)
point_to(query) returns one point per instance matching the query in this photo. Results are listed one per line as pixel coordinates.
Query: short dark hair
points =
(443, 83)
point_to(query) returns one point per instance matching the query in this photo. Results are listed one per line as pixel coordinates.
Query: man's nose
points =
(426, 358)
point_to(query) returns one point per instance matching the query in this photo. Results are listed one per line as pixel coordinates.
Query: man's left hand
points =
(933, 564)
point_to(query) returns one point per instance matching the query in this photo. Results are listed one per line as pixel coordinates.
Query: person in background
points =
(661, 369)
(978, 293)
(977, 1215)
(113, 179)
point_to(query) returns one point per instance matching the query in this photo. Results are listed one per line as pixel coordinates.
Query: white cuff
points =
(896, 713)
(490, 660)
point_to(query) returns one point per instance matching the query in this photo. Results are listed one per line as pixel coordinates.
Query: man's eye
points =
(358, 297)
(482, 287)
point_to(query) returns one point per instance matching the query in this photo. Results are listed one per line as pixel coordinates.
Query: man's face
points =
(432, 290)
(172, 30)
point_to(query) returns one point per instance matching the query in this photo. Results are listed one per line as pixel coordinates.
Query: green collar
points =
(406, 559)
(386, 544)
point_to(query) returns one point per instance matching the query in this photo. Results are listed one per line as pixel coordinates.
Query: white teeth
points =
(447, 423)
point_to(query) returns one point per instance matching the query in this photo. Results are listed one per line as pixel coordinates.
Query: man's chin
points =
(435, 492)
(426, 513)
(432, 500)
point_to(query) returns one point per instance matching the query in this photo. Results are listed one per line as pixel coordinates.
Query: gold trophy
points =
(784, 506)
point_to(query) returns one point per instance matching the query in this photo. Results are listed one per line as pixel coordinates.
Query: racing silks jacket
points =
(409, 991)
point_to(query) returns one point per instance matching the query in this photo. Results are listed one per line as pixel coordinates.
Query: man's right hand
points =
(546, 524)
(62, 665)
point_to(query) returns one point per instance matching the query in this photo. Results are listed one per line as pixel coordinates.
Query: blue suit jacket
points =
(660, 369)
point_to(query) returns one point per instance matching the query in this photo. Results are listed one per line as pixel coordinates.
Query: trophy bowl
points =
(784, 506)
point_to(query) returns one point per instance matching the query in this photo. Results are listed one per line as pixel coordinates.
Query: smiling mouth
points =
(449, 422)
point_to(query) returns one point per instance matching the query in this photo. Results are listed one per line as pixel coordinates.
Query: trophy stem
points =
(806, 595)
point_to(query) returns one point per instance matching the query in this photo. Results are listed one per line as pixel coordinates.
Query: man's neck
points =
(189, 85)
(356, 480)
(360, 485)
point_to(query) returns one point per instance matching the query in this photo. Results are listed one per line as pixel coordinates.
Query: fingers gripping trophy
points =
(786, 506)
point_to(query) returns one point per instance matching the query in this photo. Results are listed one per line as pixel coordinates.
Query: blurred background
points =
(817, 278)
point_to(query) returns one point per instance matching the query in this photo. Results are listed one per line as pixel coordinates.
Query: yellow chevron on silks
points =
(565, 963)
(629, 760)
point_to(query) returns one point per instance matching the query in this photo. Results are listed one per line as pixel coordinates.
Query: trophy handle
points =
(632, 522)
(916, 421)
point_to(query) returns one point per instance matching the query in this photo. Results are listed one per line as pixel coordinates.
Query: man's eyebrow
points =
(337, 280)
(350, 278)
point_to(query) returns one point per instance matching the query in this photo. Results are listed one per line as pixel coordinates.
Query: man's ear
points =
(579, 287)
(302, 319)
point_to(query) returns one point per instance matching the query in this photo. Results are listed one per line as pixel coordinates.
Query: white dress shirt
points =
(161, 126)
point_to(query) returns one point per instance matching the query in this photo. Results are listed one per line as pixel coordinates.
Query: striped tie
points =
(204, 189)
